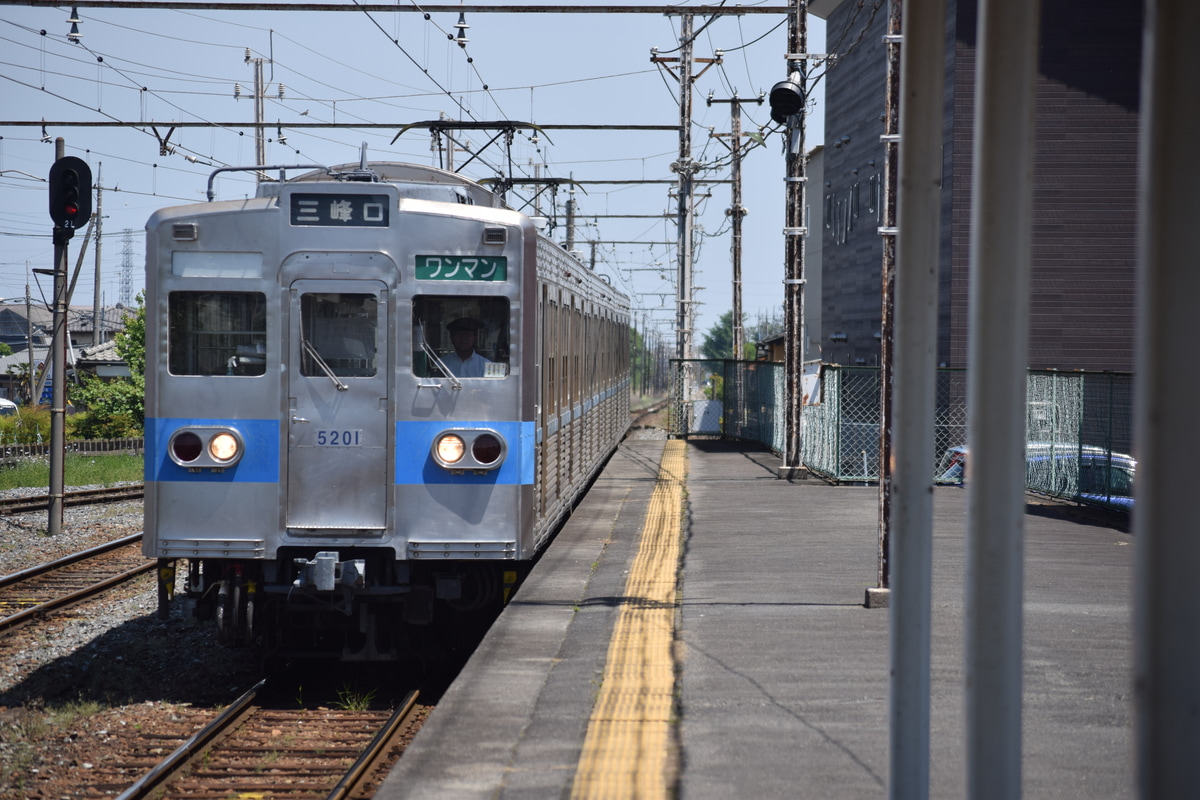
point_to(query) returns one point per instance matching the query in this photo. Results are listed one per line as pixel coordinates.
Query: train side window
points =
(339, 331)
(217, 333)
(467, 335)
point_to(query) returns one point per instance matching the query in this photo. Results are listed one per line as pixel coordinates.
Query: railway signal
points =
(70, 193)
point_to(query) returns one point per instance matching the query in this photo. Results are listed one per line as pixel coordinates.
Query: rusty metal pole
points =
(891, 145)
(736, 212)
(793, 282)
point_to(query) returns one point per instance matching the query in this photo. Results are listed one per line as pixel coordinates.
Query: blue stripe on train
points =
(415, 464)
(260, 464)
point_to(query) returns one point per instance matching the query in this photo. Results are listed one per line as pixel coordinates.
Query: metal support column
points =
(1000, 253)
(793, 283)
(918, 207)
(1166, 604)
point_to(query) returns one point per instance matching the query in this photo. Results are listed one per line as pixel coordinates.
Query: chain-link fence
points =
(1079, 428)
(1079, 424)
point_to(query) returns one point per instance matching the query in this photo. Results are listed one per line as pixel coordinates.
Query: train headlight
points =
(449, 449)
(186, 447)
(478, 450)
(487, 449)
(206, 448)
(224, 447)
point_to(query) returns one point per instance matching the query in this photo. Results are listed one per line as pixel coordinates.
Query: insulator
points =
(237, 91)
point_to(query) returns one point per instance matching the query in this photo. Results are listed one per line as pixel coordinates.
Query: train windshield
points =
(217, 333)
(460, 337)
(337, 331)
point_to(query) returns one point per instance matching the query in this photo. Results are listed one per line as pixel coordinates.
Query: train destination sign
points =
(341, 210)
(462, 268)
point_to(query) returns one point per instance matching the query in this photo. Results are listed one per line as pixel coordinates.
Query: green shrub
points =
(31, 427)
(78, 470)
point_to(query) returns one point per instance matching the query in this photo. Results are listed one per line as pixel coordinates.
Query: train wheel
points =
(229, 613)
(480, 586)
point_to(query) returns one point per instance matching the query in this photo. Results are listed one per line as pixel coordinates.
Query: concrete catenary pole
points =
(97, 332)
(685, 169)
(736, 213)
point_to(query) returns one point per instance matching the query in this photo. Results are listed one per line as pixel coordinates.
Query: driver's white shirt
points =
(472, 366)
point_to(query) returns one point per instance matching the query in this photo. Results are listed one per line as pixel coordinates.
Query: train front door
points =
(337, 407)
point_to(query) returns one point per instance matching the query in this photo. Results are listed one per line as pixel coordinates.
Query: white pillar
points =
(918, 209)
(1167, 433)
(1000, 251)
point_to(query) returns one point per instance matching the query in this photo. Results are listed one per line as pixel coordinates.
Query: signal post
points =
(70, 206)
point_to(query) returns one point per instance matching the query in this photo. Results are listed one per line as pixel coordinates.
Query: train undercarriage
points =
(347, 606)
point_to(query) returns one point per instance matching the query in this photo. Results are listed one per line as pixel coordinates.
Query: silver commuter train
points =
(341, 478)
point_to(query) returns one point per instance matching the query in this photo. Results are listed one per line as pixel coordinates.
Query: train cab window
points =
(466, 337)
(337, 334)
(217, 333)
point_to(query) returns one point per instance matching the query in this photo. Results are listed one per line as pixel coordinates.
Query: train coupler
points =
(325, 572)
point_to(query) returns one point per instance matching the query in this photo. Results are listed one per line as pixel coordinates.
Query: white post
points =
(918, 209)
(1000, 251)
(1167, 436)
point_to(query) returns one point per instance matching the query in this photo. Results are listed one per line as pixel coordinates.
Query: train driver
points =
(464, 362)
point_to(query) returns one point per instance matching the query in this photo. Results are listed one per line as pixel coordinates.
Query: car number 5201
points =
(338, 438)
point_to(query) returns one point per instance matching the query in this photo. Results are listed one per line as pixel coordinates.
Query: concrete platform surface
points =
(782, 672)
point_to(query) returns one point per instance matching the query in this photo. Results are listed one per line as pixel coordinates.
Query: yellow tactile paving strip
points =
(625, 754)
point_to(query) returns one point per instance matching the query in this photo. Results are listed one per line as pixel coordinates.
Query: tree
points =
(117, 408)
(718, 342)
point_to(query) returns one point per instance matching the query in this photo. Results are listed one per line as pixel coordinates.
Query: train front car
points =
(342, 389)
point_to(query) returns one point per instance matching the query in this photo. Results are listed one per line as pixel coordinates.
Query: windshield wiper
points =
(455, 383)
(315, 356)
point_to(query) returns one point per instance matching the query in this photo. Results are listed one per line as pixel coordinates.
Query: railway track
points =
(252, 750)
(649, 416)
(83, 497)
(32, 593)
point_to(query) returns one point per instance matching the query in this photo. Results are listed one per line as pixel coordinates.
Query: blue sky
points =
(549, 69)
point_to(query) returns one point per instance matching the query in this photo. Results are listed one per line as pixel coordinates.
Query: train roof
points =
(413, 180)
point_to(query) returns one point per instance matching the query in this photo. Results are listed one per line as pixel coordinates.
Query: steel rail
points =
(9, 624)
(171, 764)
(16, 505)
(378, 746)
(82, 555)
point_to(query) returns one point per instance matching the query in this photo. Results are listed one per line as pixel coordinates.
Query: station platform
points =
(775, 673)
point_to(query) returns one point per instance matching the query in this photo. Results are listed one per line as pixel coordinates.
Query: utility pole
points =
(891, 165)
(736, 212)
(788, 98)
(260, 144)
(570, 243)
(686, 169)
(260, 96)
(97, 333)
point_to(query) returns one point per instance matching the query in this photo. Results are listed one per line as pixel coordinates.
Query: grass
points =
(349, 700)
(103, 469)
